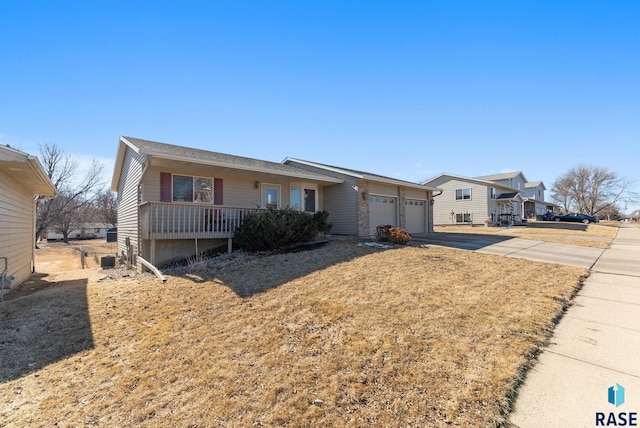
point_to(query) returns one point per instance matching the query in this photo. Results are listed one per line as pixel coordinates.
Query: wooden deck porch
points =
(174, 220)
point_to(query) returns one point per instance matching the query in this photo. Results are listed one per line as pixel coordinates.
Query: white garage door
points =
(382, 210)
(415, 214)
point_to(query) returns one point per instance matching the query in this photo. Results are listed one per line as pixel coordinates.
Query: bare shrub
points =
(395, 235)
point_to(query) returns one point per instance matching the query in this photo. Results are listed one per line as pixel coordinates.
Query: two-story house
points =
(491, 199)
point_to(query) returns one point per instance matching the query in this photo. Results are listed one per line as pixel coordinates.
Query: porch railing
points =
(174, 220)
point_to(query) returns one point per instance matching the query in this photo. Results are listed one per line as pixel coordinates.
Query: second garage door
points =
(416, 215)
(382, 210)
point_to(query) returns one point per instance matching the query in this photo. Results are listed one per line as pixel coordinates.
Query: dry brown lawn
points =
(594, 235)
(337, 336)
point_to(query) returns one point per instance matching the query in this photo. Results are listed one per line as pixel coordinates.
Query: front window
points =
(182, 188)
(192, 189)
(493, 193)
(271, 195)
(303, 197)
(296, 198)
(463, 194)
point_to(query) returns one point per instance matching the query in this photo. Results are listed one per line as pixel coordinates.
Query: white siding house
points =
(474, 201)
(495, 199)
(85, 231)
(532, 192)
(22, 181)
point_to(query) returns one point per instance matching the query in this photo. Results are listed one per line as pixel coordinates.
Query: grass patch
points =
(340, 335)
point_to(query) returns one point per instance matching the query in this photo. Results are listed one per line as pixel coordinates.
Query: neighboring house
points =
(176, 201)
(467, 200)
(496, 199)
(22, 182)
(364, 201)
(85, 231)
(532, 192)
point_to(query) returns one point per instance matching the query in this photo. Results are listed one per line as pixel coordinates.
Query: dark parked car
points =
(578, 218)
(548, 216)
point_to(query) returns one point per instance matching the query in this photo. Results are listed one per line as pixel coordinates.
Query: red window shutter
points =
(217, 191)
(165, 187)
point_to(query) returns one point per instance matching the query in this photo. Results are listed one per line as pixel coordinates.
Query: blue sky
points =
(400, 88)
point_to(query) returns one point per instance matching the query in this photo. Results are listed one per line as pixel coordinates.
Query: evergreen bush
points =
(273, 229)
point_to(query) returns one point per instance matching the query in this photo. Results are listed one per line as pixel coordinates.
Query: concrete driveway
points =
(509, 246)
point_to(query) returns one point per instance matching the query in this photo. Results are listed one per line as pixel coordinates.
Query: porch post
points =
(229, 245)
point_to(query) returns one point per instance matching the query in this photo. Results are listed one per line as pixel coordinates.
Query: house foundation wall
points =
(168, 251)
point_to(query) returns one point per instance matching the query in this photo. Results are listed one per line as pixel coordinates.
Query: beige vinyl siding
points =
(238, 191)
(128, 200)
(17, 228)
(445, 203)
(383, 189)
(339, 200)
(416, 194)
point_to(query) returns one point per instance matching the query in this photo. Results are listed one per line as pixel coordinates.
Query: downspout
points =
(431, 204)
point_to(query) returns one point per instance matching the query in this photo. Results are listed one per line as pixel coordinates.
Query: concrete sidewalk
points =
(595, 346)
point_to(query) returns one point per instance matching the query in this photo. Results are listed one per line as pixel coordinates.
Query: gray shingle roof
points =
(363, 174)
(507, 195)
(170, 151)
(496, 177)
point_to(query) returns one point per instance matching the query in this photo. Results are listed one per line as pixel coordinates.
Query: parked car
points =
(577, 217)
(548, 216)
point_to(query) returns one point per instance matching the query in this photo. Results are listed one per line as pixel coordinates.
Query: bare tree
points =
(75, 193)
(106, 207)
(590, 190)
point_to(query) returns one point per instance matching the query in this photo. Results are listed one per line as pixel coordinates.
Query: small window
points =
(463, 194)
(271, 196)
(463, 218)
(296, 198)
(493, 193)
